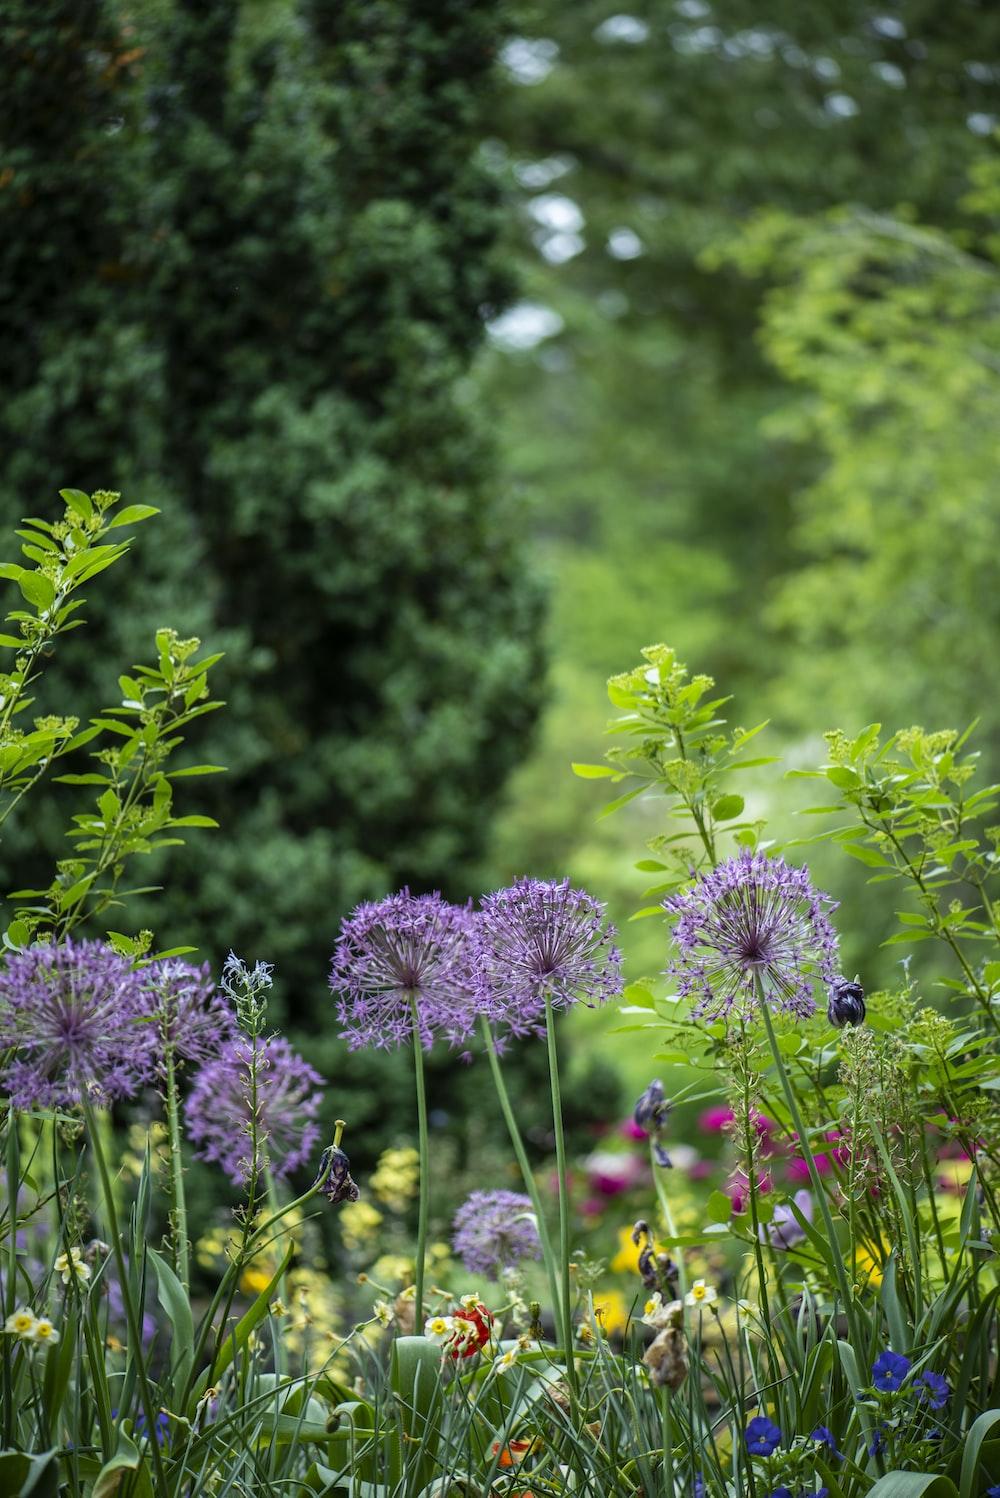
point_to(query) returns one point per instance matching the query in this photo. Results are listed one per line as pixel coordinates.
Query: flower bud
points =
(847, 1003)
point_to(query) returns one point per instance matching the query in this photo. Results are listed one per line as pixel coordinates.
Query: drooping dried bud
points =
(650, 1114)
(666, 1358)
(847, 1003)
(335, 1175)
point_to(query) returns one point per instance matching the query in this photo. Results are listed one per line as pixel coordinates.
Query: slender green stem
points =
(557, 1126)
(814, 1176)
(424, 1149)
(178, 1215)
(527, 1175)
(668, 1217)
(131, 1315)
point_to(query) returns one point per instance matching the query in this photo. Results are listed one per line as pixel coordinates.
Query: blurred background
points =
(467, 347)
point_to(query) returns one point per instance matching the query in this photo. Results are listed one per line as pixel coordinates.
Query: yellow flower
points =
(626, 1260)
(254, 1279)
(21, 1323)
(382, 1313)
(71, 1266)
(611, 1311)
(868, 1262)
(396, 1178)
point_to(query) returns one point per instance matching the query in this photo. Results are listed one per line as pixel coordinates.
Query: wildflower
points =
(396, 1177)
(186, 1009)
(658, 1313)
(71, 1266)
(701, 1294)
(220, 1106)
(784, 1230)
(400, 952)
(824, 1435)
(439, 1329)
(889, 1370)
(465, 1332)
(611, 1311)
(495, 1230)
(762, 1436)
(932, 1389)
(847, 1003)
(877, 1440)
(382, 1312)
(71, 1014)
(21, 1323)
(751, 918)
(43, 1332)
(506, 1361)
(514, 1453)
(651, 1114)
(541, 940)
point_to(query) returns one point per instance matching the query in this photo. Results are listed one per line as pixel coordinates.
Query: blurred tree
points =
(247, 268)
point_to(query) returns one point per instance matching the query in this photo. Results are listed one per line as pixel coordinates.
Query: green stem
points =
(134, 1326)
(527, 1176)
(179, 1227)
(424, 1149)
(668, 1218)
(557, 1125)
(814, 1176)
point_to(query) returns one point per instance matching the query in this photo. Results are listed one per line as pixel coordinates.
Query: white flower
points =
(506, 1361)
(382, 1313)
(701, 1294)
(71, 1266)
(440, 1329)
(21, 1323)
(44, 1332)
(658, 1312)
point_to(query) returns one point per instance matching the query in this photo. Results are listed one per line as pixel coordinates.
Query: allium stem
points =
(423, 1144)
(814, 1177)
(530, 1185)
(178, 1214)
(557, 1126)
(131, 1316)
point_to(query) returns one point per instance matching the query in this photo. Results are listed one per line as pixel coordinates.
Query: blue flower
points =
(876, 1445)
(889, 1370)
(762, 1436)
(993, 1492)
(698, 1488)
(825, 1436)
(781, 1493)
(933, 1389)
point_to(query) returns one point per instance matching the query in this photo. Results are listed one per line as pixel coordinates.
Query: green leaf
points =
(987, 1425)
(194, 820)
(842, 778)
(78, 502)
(718, 1208)
(197, 770)
(727, 807)
(913, 1485)
(125, 1462)
(24, 1476)
(594, 772)
(131, 515)
(173, 1299)
(37, 589)
(869, 856)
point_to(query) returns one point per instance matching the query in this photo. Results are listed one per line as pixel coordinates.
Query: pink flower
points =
(631, 1130)
(715, 1119)
(798, 1168)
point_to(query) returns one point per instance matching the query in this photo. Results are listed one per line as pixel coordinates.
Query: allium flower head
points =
(495, 1230)
(72, 1015)
(537, 939)
(219, 1108)
(752, 917)
(402, 948)
(186, 1009)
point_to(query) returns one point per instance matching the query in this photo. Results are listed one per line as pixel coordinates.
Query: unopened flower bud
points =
(847, 1003)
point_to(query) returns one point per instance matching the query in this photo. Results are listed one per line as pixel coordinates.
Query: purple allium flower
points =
(186, 1009)
(539, 939)
(752, 917)
(932, 1389)
(889, 1370)
(219, 1108)
(405, 945)
(71, 1013)
(824, 1435)
(762, 1436)
(495, 1230)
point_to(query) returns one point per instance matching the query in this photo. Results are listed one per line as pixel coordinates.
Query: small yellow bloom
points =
(701, 1294)
(253, 1280)
(71, 1266)
(21, 1324)
(439, 1329)
(506, 1361)
(382, 1313)
(44, 1331)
